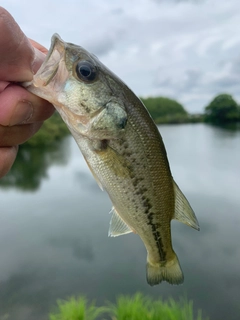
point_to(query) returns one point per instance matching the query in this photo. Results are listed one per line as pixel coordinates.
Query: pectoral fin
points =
(117, 226)
(183, 211)
(115, 162)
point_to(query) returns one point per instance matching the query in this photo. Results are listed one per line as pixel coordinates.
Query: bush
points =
(162, 107)
(222, 109)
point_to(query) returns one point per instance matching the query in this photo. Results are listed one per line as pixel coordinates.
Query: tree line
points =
(165, 110)
(223, 109)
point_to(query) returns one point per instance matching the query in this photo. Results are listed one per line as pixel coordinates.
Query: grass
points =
(137, 307)
(76, 309)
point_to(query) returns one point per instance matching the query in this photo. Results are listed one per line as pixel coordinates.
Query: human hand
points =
(21, 112)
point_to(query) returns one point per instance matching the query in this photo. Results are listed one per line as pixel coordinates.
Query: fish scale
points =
(123, 149)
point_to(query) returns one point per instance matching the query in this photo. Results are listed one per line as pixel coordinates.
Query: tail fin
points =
(170, 272)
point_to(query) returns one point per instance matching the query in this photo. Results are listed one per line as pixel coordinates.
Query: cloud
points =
(103, 42)
(189, 50)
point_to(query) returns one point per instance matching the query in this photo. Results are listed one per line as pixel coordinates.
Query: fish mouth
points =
(50, 66)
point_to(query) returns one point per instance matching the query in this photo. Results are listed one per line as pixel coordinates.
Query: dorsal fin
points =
(183, 211)
(117, 226)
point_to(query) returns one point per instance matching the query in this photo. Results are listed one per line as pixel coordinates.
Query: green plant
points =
(137, 307)
(140, 307)
(222, 109)
(134, 308)
(76, 309)
(161, 107)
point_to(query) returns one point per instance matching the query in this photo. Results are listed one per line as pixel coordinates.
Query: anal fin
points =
(183, 211)
(117, 226)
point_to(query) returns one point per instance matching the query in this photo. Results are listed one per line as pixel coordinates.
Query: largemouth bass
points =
(123, 149)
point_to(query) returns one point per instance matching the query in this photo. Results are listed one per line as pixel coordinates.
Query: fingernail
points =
(22, 114)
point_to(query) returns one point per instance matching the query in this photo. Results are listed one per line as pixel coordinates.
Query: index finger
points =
(16, 52)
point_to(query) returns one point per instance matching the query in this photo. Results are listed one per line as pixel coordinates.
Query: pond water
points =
(54, 224)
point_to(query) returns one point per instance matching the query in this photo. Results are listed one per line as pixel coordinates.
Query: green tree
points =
(222, 109)
(165, 110)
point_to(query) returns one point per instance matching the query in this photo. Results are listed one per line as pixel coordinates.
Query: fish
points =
(123, 149)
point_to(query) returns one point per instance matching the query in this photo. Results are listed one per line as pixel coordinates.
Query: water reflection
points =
(81, 248)
(31, 165)
(54, 243)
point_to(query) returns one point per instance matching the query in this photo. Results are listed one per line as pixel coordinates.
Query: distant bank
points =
(168, 111)
(222, 110)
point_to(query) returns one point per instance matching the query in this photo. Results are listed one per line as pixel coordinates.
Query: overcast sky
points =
(185, 50)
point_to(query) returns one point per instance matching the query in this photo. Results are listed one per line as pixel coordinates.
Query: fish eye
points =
(86, 71)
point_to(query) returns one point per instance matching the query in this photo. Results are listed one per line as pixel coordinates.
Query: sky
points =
(188, 50)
